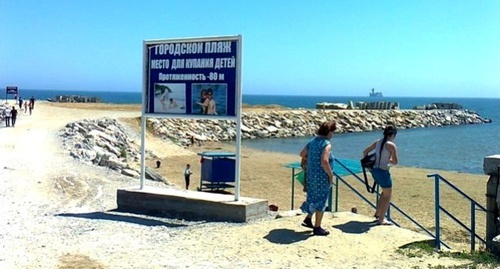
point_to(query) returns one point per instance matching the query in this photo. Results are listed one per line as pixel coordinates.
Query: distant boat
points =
(376, 94)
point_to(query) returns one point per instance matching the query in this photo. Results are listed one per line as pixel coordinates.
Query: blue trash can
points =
(218, 170)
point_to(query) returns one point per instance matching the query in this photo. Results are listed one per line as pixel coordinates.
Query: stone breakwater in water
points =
(105, 142)
(298, 123)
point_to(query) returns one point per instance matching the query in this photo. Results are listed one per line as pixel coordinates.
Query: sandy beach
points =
(59, 213)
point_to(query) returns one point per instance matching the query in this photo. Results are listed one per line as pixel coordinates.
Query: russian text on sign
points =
(179, 48)
(165, 77)
(218, 47)
(225, 63)
(200, 63)
(160, 64)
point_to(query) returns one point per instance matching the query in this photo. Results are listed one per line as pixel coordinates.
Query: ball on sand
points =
(354, 210)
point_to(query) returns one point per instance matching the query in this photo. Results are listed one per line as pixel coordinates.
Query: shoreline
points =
(263, 125)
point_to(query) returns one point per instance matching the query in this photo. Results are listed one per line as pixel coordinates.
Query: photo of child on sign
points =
(170, 98)
(209, 99)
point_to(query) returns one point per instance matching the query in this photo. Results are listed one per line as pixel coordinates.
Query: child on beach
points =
(187, 174)
(172, 104)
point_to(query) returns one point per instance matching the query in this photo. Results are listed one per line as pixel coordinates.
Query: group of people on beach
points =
(317, 162)
(30, 104)
(10, 113)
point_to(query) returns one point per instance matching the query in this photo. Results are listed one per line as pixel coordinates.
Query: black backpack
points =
(367, 163)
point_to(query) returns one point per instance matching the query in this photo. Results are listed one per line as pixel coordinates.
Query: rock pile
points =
(440, 106)
(104, 142)
(298, 123)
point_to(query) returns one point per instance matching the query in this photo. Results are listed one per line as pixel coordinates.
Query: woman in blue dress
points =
(319, 176)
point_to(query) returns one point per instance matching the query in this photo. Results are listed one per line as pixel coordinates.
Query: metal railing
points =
(438, 208)
(364, 198)
(377, 193)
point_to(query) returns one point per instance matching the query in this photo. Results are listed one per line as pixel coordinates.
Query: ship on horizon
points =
(375, 94)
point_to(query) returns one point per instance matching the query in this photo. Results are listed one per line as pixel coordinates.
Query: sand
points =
(59, 213)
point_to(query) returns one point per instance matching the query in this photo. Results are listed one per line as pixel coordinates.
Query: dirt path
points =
(39, 181)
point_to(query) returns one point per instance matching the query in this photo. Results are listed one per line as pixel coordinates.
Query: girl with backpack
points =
(386, 155)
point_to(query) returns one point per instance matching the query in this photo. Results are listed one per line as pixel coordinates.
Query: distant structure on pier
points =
(75, 99)
(375, 94)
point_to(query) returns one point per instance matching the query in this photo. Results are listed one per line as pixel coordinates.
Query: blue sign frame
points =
(193, 77)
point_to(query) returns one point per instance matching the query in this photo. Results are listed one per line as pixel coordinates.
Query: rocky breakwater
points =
(105, 142)
(302, 122)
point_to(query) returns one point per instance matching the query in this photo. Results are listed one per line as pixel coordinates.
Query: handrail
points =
(461, 224)
(437, 178)
(390, 204)
(354, 190)
(437, 208)
(457, 190)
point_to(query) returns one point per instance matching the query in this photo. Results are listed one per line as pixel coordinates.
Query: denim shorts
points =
(382, 177)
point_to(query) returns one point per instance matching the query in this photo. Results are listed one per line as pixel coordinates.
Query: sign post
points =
(195, 78)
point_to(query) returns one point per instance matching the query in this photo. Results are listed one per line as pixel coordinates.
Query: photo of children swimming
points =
(170, 98)
(209, 99)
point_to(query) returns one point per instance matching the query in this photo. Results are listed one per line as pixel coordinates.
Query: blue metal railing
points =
(408, 217)
(438, 208)
(377, 195)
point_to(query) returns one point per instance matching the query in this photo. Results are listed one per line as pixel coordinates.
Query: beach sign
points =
(196, 77)
(11, 90)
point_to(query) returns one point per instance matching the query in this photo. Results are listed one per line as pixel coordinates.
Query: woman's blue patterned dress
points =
(316, 177)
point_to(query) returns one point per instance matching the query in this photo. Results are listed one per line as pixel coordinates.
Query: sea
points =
(452, 148)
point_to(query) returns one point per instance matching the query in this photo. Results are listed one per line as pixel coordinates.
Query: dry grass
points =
(78, 261)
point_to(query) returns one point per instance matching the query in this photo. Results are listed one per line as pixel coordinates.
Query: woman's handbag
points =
(367, 163)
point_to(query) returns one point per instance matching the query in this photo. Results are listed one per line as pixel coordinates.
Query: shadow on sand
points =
(115, 216)
(287, 236)
(356, 227)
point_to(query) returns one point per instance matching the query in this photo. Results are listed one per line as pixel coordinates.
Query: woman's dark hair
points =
(326, 127)
(388, 131)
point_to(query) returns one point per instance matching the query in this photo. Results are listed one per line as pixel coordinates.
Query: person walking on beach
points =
(13, 116)
(187, 175)
(25, 107)
(386, 155)
(319, 176)
(20, 103)
(30, 107)
(32, 103)
(7, 114)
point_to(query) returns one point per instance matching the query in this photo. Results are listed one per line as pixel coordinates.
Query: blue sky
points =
(339, 48)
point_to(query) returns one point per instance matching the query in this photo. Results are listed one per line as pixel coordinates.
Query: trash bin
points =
(218, 170)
